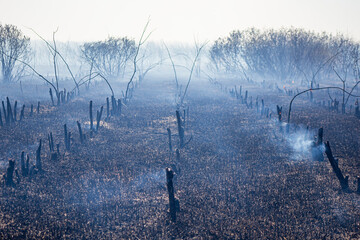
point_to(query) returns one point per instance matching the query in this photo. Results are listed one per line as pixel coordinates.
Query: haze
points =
(176, 21)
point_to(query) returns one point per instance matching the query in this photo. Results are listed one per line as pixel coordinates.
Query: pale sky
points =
(176, 21)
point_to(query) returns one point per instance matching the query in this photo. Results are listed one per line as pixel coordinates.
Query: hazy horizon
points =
(178, 21)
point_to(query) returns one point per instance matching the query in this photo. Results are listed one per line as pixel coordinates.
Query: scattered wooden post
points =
(170, 144)
(38, 157)
(91, 116)
(180, 129)
(38, 108)
(344, 182)
(358, 185)
(31, 110)
(10, 173)
(170, 188)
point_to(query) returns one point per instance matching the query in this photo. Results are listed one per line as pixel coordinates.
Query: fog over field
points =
(179, 119)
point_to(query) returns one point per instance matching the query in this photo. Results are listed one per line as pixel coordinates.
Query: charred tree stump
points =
(180, 129)
(51, 97)
(279, 111)
(169, 135)
(358, 185)
(22, 113)
(91, 116)
(9, 110)
(24, 171)
(38, 108)
(15, 111)
(80, 132)
(107, 108)
(317, 147)
(38, 157)
(9, 181)
(31, 110)
(51, 142)
(98, 118)
(171, 192)
(5, 114)
(344, 182)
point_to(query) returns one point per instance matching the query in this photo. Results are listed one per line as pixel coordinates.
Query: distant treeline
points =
(287, 55)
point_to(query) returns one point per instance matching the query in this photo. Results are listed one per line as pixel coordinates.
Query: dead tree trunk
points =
(10, 173)
(5, 114)
(107, 108)
(15, 111)
(344, 182)
(38, 157)
(171, 192)
(9, 110)
(91, 116)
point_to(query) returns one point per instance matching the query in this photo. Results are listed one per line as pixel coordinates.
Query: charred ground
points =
(239, 176)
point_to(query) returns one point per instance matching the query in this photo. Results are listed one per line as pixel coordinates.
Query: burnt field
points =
(239, 175)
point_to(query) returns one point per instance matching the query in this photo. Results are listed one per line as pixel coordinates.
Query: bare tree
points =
(344, 63)
(13, 46)
(143, 38)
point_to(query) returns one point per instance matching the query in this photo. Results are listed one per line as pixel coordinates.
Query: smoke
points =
(301, 143)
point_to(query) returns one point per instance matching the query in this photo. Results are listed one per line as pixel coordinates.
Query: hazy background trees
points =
(14, 46)
(109, 57)
(284, 55)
